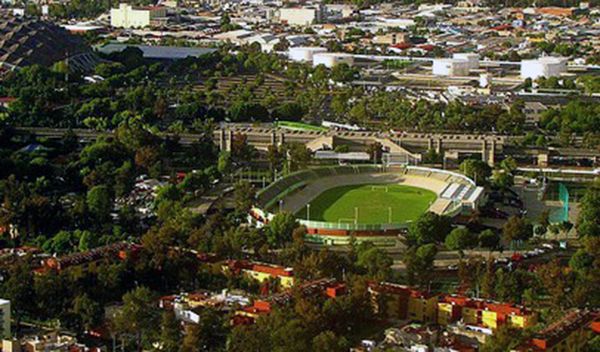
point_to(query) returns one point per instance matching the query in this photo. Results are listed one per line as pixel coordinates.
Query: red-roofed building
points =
(6, 101)
(261, 272)
(403, 302)
(570, 333)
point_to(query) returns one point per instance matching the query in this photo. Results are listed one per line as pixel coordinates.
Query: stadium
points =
(368, 202)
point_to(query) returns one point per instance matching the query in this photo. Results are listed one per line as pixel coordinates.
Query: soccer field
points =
(374, 204)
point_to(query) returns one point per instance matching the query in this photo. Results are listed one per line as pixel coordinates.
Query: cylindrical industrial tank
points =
(304, 53)
(332, 59)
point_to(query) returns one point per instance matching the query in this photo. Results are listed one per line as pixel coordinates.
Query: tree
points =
(502, 179)
(207, 335)
(224, 163)
(476, 169)
(374, 260)
(328, 341)
(244, 196)
(89, 312)
(509, 164)
(99, 202)
(138, 316)
(419, 263)
(504, 339)
(588, 223)
(489, 239)
(124, 179)
(375, 151)
(170, 332)
(429, 228)
(517, 229)
(280, 229)
(460, 239)
(298, 156)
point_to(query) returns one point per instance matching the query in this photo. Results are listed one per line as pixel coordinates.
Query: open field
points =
(374, 204)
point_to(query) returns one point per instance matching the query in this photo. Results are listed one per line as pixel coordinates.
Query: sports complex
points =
(369, 202)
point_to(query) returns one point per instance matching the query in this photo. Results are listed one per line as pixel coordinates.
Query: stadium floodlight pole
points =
(308, 211)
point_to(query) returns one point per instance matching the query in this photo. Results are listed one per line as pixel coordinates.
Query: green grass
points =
(300, 126)
(373, 203)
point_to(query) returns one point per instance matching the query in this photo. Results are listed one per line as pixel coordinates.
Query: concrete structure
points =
(127, 16)
(332, 59)
(543, 67)
(301, 16)
(305, 53)
(471, 58)
(5, 317)
(450, 67)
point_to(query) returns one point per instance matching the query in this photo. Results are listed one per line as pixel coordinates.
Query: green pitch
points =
(373, 202)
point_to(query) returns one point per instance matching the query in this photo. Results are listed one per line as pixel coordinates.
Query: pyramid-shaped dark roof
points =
(25, 42)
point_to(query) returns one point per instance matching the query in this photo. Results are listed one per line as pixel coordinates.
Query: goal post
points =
(376, 188)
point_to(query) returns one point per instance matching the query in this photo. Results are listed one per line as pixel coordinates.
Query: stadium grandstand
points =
(369, 202)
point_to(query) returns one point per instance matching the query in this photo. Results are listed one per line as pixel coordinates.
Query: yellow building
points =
(422, 307)
(522, 321)
(470, 315)
(286, 278)
(261, 272)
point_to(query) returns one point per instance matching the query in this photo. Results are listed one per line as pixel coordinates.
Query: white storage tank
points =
(332, 59)
(450, 67)
(304, 53)
(471, 58)
(549, 66)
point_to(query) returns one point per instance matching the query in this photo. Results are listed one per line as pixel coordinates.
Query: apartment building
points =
(402, 302)
(476, 312)
(261, 272)
(569, 334)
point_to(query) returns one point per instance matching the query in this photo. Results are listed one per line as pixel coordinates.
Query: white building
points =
(543, 67)
(5, 318)
(300, 16)
(471, 58)
(305, 53)
(450, 67)
(332, 59)
(127, 16)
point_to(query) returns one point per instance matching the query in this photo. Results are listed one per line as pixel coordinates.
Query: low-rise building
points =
(262, 272)
(127, 16)
(477, 312)
(402, 302)
(570, 333)
(299, 16)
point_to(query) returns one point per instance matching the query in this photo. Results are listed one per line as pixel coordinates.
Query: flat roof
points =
(158, 52)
